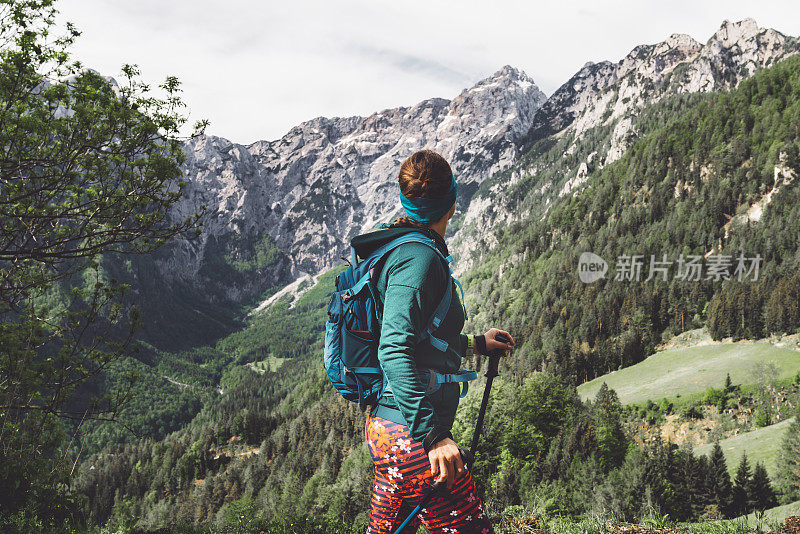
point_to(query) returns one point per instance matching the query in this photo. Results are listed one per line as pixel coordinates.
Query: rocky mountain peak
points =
(611, 94)
(732, 33)
(680, 42)
(509, 79)
(507, 94)
(741, 48)
(327, 178)
(507, 75)
(604, 92)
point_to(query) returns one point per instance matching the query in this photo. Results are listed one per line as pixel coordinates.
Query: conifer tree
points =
(788, 480)
(760, 495)
(741, 483)
(702, 484)
(550, 469)
(611, 441)
(719, 481)
(688, 477)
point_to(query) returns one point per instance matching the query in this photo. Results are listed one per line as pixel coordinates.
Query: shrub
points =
(763, 418)
(714, 396)
(691, 412)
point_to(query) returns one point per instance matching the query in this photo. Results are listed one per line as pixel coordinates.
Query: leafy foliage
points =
(87, 167)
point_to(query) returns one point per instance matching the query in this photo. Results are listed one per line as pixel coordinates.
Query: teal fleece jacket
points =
(409, 286)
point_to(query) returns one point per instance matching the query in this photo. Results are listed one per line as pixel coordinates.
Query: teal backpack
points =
(351, 331)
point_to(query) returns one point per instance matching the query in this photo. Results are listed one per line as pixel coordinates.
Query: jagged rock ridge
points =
(602, 92)
(611, 94)
(328, 178)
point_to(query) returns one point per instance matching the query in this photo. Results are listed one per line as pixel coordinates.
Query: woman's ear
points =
(451, 212)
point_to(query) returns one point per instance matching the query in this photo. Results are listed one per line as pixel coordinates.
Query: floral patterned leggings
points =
(402, 472)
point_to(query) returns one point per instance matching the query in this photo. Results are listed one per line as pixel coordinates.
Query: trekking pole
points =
(491, 372)
(430, 492)
(468, 456)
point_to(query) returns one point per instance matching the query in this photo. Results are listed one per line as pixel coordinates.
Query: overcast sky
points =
(257, 68)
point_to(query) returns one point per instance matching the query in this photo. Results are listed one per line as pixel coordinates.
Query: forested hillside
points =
(278, 444)
(684, 189)
(281, 442)
(175, 372)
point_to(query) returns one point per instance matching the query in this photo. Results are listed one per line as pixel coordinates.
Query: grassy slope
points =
(761, 445)
(692, 370)
(779, 513)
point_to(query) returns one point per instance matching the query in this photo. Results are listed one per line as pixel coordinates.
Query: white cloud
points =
(255, 69)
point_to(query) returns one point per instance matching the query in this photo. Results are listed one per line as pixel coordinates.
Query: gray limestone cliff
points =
(327, 179)
(610, 95)
(303, 196)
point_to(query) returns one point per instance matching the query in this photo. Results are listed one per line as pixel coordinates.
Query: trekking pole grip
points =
(495, 355)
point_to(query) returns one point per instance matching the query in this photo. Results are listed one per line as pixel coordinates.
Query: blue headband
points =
(429, 210)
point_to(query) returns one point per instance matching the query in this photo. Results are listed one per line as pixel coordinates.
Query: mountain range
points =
(679, 148)
(306, 194)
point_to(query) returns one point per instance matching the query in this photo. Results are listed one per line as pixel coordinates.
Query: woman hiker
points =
(408, 432)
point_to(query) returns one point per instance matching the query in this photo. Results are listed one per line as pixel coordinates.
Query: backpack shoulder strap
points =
(378, 254)
(411, 237)
(444, 305)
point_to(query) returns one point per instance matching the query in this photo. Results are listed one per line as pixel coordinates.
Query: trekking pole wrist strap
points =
(436, 434)
(470, 346)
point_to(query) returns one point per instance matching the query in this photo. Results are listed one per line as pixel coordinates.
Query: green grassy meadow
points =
(684, 371)
(761, 445)
(779, 513)
(270, 363)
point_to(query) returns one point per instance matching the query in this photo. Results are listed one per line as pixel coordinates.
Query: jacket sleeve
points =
(412, 293)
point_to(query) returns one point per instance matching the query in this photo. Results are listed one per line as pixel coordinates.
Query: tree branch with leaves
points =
(89, 169)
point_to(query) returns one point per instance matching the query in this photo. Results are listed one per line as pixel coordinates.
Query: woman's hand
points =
(493, 344)
(446, 461)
